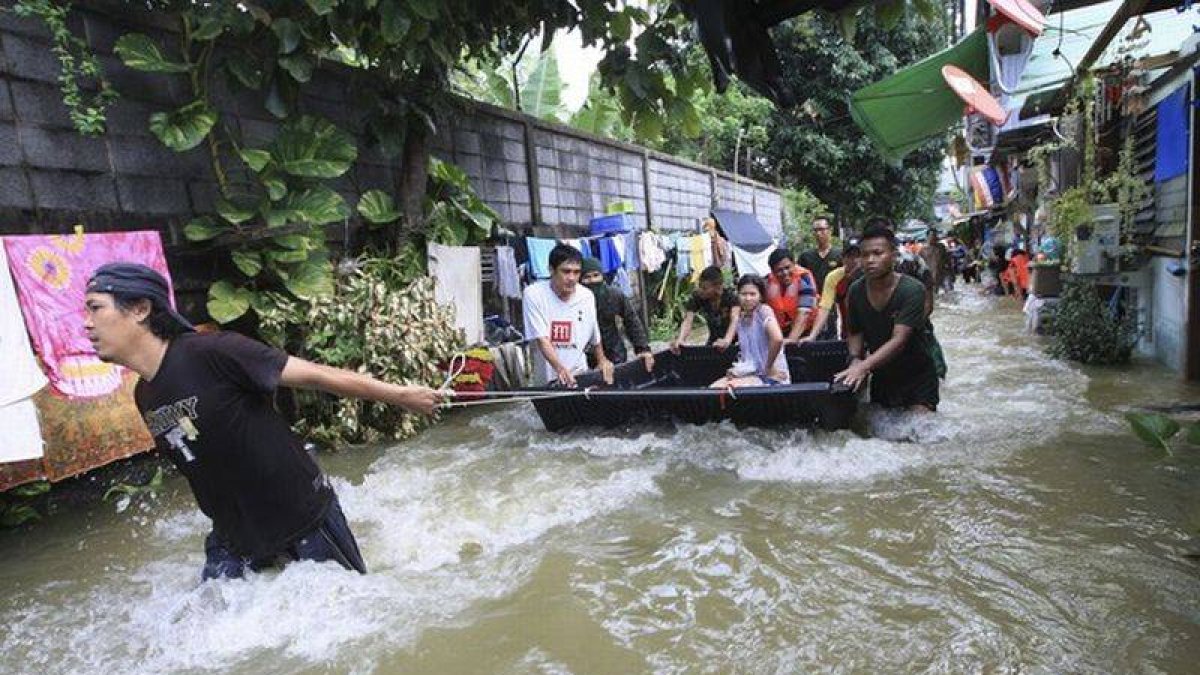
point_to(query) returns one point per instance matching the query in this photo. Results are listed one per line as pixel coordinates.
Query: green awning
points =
(915, 104)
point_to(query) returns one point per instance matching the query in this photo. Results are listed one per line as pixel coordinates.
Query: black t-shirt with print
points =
(209, 409)
(717, 318)
(820, 267)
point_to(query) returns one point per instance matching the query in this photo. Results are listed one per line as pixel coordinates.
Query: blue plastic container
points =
(618, 222)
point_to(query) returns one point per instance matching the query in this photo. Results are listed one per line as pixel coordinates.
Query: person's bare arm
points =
(858, 370)
(602, 363)
(793, 335)
(685, 329)
(818, 324)
(735, 315)
(301, 374)
(774, 344)
(548, 351)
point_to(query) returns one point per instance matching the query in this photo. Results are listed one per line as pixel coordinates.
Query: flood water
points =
(1022, 529)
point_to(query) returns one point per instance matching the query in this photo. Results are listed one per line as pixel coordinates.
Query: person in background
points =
(937, 260)
(761, 359)
(998, 268)
(833, 296)
(713, 302)
(1018, 273)
(888, 331)
(824, 258)
(560, 318)
(821, 261)
(792, 293)
(610, 304)
(207, 399)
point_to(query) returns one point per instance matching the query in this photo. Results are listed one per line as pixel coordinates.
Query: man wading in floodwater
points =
(886, 317)
(207, 401)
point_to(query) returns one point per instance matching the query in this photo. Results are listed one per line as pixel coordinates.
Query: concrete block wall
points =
(734, 194)
(52, 178)
(681, 195)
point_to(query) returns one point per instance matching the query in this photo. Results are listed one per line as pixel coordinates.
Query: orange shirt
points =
(801, 293)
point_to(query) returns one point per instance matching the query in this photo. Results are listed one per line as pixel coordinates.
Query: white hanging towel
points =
(458, 284)
(752, 263)
(508, 279)
(22, 378)
(651, 252)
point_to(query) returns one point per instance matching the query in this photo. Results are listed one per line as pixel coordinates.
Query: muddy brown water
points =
(1022, 529)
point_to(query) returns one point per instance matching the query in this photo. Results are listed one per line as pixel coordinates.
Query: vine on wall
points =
(87, 109)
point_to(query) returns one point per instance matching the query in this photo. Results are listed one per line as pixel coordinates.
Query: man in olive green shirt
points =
(887, 330)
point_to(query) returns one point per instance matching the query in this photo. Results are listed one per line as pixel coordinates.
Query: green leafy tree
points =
(816, 145)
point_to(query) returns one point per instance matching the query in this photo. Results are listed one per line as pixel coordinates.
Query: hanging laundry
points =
(582, 245)
(22, 378)
(650, 251)
(720, 251)
(752, 263)
(539, 256)
(51, 273)
(621, 281)
(610, 257)
(683, 256)
(458, 283)
(700, 255)
(508, 279)
(629, 242)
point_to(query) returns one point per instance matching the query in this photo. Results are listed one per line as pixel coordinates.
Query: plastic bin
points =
(617, 222)
(1046, 280)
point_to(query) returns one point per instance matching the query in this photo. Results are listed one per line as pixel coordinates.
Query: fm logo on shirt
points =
(560, 333)
(175, 423)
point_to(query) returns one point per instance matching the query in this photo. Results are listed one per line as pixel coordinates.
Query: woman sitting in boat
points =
(761, 361)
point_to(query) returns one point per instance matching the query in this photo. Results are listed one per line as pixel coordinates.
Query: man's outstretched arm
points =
(301, 374)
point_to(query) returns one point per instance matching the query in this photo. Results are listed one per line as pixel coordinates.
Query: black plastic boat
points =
(678, 389)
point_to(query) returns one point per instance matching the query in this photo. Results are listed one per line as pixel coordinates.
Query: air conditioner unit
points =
(1100, 251)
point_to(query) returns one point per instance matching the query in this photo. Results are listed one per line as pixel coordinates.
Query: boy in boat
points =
(610, 304)
(761, 360)
(713, 302)
(560, 319)
(888, 330)
(207, 400)
(792, 293)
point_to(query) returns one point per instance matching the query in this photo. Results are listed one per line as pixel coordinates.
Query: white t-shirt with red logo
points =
(570, 324)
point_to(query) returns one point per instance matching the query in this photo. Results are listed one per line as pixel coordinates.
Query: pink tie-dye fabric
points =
(51, 273)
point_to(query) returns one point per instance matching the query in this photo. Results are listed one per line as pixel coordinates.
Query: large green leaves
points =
(310, 279)
(248, 262)
(202, 229)
(288, 34)
(322, 7)
(394, 22)
(378, 207)
(312, 147)
(315, 206)
(185, 128)
(141, 53)
(541, 95)
(227, 302)
(1154, 429)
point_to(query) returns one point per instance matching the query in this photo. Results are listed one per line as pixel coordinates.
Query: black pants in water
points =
(330, 540)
